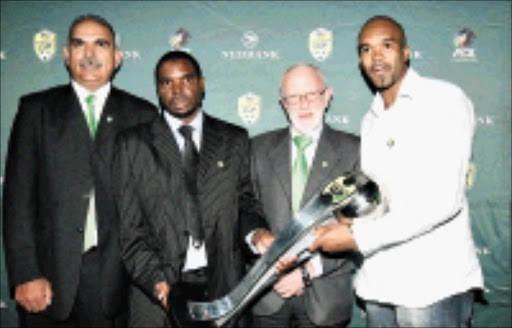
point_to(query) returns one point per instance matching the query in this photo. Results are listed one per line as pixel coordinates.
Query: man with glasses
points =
(289, 166)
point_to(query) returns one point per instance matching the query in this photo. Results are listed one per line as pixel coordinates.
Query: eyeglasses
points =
(293, 100)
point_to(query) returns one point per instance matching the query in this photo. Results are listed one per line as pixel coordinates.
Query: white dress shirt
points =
(101, 96)
(310, 152)
(196, 257)
(418, 150)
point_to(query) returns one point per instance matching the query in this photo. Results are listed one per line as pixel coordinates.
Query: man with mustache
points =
(61, 228)
(420, 263)
(184, 194)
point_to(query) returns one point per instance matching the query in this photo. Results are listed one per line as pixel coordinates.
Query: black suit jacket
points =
(150, 186)
(329, 299)
(52, 164)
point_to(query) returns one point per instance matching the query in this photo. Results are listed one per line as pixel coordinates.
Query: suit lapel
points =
(325, 160)
(70, 126)
(211, 147)
(109, 124)
(69, 117)
(167, 147)
(280, 159)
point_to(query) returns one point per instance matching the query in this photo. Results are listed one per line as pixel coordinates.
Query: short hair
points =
(387, 19)
(91, 18)
(177, 55)
(304, 64)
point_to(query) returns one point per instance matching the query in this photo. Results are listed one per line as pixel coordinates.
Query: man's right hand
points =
(262, 240)
(161, 291)
(34, 296)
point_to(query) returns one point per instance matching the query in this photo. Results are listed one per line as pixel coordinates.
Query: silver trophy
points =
(352, 195)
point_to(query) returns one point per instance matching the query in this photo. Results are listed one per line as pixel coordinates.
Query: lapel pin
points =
(325, 164)
(220, 164)
(109, 119)
(390, 143)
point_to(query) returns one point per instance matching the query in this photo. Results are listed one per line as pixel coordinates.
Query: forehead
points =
(380, 29)
(176, 68)
(302, 79)
(91, 29)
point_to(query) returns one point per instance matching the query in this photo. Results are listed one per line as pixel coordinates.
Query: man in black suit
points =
(180, 225)
(61, 228)
(290, 165)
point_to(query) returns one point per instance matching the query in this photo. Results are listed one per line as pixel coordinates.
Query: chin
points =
(306, 127)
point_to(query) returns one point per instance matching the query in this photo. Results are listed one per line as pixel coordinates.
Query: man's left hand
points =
(333, 238)
(290, 284)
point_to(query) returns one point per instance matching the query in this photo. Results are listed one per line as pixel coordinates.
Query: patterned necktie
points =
(300, 170)
(91, 116)
(190, 166)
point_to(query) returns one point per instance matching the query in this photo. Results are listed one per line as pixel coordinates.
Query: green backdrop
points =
(244, 47)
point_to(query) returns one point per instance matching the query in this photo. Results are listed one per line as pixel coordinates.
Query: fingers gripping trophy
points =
(352, 195)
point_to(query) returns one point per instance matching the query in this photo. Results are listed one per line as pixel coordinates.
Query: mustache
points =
(384, 66)
(90, 62)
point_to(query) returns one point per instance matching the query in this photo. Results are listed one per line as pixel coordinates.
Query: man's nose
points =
(377, 53)
(89, 50)
(176, 88)
(303, 102)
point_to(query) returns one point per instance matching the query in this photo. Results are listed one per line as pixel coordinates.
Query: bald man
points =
(289, 166)
(420, 266)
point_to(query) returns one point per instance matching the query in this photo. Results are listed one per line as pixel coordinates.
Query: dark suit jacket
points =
(329, 299)
(52, 163)
(150, 186)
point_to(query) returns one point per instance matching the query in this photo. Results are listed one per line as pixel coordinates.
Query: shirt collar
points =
(175, 123)
(101, 93)
(407, 90)
(314, 134)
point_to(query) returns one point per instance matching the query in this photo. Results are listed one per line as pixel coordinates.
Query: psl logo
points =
(179, 39)
(249, 108)
(320, 43)
(45, 45)
(462, 41)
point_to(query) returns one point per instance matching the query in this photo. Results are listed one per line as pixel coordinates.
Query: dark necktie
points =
(190, 166)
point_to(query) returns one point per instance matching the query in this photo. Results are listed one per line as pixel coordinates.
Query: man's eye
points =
(76, 43)
(103, 43)
(189, 79)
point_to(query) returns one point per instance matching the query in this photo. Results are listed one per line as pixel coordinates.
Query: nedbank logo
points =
(127, 54)
(250, 41)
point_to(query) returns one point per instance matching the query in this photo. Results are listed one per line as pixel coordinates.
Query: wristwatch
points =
(306, 278)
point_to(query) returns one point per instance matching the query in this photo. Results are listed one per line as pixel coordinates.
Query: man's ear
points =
(407, 53)
(65, 55)
(118, 58)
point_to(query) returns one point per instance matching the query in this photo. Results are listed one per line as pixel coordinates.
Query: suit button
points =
(81, 230)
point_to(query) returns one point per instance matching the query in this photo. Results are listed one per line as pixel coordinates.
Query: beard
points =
(180, 115)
